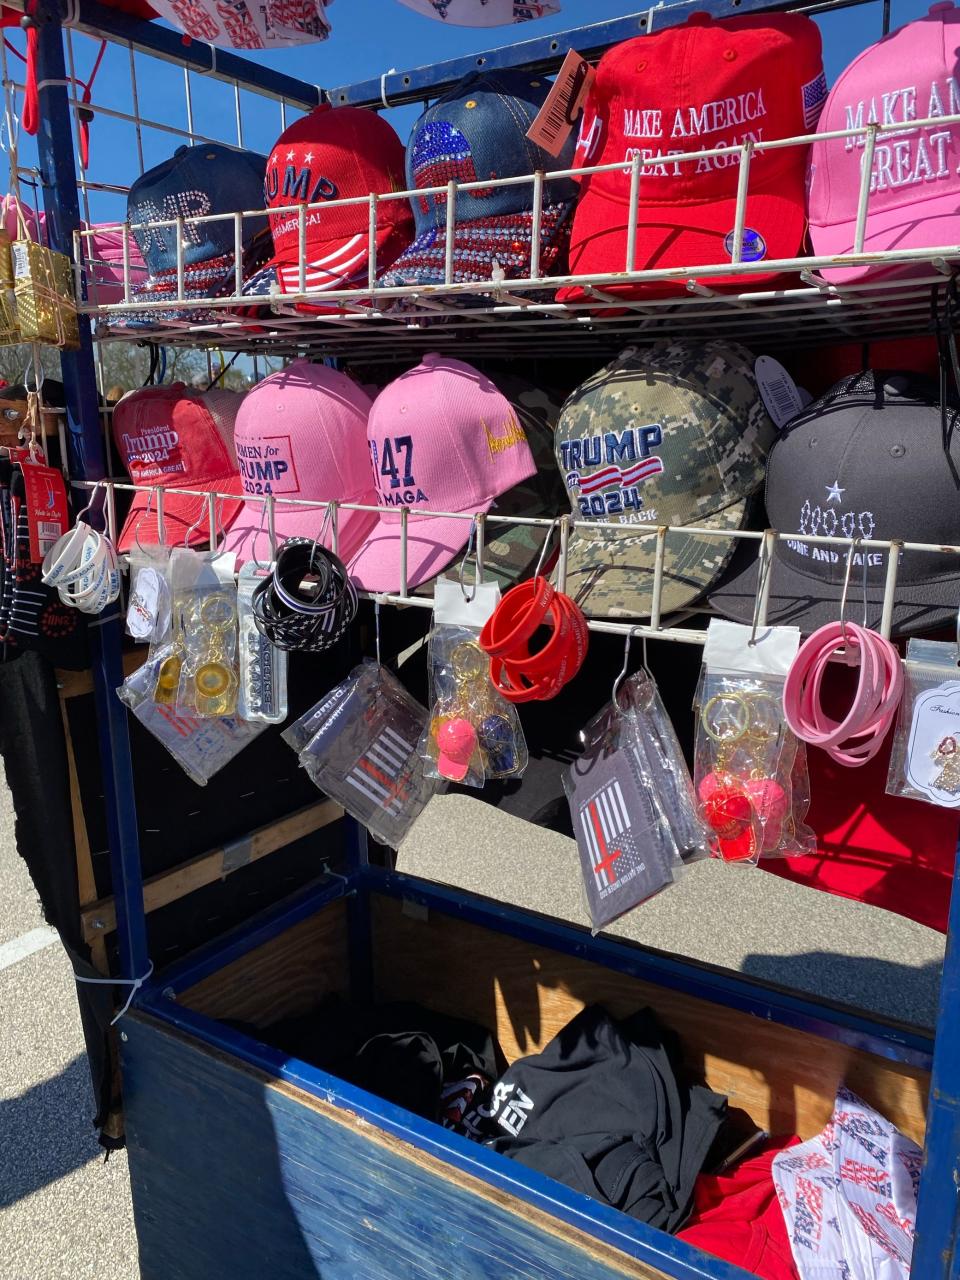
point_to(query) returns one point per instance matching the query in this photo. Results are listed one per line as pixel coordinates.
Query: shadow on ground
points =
(46, 1133)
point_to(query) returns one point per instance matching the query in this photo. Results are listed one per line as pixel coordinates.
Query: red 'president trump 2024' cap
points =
(695, 87)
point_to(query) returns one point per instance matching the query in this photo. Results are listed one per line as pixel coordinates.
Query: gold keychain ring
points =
(739, 730)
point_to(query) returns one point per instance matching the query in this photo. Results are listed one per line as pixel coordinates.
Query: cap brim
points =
(797, 599)
(506, 237)
(432, 543)
(249, 539)
(612, 575)
(452, 770)
(681, 236)
(923, 224)
(200, 281)
(180, 513)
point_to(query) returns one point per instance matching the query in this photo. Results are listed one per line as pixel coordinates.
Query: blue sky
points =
(369, 36)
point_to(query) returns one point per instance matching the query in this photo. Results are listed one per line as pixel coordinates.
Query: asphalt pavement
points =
(64, 1213)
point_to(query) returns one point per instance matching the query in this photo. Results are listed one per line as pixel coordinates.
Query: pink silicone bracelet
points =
(858, 737)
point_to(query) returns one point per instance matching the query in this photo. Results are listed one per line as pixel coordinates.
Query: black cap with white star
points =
(874, 457)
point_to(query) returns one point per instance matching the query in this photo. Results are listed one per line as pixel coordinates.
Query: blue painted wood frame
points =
(87, 462)
(545, 53)
(258, 1182)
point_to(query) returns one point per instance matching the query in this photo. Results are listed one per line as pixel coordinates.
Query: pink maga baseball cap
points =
(456, 743)
(302, 433)
(176, 437)
(442, 438)
(915, 184)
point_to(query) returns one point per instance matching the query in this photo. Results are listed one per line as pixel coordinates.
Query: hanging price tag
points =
(557, 116)
(47, 512)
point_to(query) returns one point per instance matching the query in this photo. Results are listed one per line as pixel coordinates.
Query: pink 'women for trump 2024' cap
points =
(302, 433)
(442, 438)
(914, 200)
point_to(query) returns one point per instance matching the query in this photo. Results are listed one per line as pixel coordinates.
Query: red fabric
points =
(872, 847)
(750, 78)
(737, 1217)
(819, 368)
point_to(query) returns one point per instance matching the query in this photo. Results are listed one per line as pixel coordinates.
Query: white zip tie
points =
(383, 86)
(133, 983)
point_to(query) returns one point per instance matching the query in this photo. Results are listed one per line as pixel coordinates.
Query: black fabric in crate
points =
(605, 1110)
(428, 1062)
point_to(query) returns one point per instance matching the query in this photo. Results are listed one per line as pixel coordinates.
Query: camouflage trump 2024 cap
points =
(672, 435)
(511, 551)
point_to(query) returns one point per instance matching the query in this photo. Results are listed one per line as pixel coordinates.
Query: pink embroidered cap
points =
(914, 198)
(302, 433)
(442, 438)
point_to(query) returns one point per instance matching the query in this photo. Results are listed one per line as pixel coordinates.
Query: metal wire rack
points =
(500, 316)
(328, 515)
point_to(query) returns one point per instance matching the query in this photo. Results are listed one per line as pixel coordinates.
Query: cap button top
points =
(431, 357)
(699, 19)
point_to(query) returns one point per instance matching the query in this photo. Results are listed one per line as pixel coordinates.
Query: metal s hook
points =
(463, 563)
(546, 546)
(846, 587)
(622, 673)
(196, 525)
(763, 582)
(143, 515)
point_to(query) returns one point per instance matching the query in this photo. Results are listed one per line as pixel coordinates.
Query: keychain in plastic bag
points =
(263, 667)
(202, 747)
(653, 742)
(364, 753)
(473, 733)
(925, 760)
(745, 753)
(627, 849)
(148, 606)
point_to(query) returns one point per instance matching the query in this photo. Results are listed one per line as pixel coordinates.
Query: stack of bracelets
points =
(858, 737)
(516, 673)
(310, 617)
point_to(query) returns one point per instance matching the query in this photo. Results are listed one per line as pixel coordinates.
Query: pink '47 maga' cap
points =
(442, 438)
(915, 183)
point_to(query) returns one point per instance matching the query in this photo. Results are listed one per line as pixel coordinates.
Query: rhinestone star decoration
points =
(834, 492)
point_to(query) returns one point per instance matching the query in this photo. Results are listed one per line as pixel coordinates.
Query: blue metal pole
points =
(87, 462)
(935, 1254)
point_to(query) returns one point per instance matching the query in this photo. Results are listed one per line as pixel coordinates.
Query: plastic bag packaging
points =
(925, 758)
(473, 733)
(627, 849)
(297, 735)
(209, 675)
(745, 753)
(262, 694)
(200, 746)
(187, 570)
(364, 753)
(148, 606)
(653, 742)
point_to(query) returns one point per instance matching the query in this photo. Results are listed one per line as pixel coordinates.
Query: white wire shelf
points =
(810, 314)
(562, 526)
(511, 316)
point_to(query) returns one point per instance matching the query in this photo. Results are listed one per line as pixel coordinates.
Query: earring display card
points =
(364, 755)
(925, 760)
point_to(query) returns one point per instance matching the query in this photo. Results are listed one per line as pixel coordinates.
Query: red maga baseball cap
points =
(694, 87)
(332, 154)
(176, 437)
